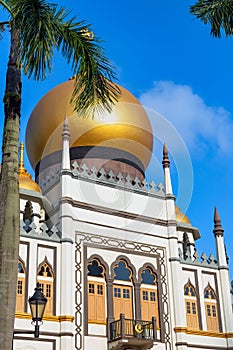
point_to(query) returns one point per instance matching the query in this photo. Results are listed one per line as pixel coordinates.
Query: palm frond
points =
(2, 27)
(37, 24)
(217, 13)
(45, 28)
(5, 5)
(94, 73)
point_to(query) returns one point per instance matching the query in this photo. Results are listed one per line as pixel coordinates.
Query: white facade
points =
(111, 220)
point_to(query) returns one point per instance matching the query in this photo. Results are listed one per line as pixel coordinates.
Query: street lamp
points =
(37, 305)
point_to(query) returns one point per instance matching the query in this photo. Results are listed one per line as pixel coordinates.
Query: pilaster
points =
(67, 306)
(66, 146)
(224, 277)
(177, 294)
(166, 167)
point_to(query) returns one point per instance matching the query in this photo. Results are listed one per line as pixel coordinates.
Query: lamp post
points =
(37, 305)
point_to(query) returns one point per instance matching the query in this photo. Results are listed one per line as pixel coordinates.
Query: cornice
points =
(202, 333)
(119, 213)
(62, 318)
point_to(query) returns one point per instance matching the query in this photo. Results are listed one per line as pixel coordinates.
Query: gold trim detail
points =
(138, 328)
(62, 318)
(96, 322)
(202, 333)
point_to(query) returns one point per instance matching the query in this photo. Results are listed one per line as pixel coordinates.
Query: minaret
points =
(223, 272)
(220, 247)
(168, 185)
(65, 146)
(166, 167)
(177, 307)
(67, 279)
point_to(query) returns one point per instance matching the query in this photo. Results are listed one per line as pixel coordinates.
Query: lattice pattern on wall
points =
(123, 245)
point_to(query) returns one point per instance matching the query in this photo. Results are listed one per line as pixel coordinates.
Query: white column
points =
(166, 167)
(66, 146)
(223, 273)
(32, 269)
(179, 316)
(67, 307)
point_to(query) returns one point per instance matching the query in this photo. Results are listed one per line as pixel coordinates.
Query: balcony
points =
(131, 334)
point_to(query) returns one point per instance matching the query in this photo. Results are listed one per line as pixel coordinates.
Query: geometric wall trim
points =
(115, 244)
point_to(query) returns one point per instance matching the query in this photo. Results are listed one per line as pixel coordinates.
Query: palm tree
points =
(217, 13)
(37, 29)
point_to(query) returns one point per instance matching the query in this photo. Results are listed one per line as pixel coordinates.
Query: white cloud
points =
(201, 126)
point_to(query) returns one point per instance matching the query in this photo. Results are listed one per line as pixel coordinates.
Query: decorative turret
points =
(166, 161)
(166, 167)
(223, 271)
(218, 230)
(179, 313)
(66, 146)
(220, 247)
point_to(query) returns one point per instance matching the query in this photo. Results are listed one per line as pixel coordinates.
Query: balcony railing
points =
(125, 328)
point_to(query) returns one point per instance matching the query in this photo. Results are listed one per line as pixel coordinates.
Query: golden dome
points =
(127, 128)
(25, 179)
(180, 217)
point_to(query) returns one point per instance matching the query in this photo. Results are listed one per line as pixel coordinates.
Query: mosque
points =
(114, 256)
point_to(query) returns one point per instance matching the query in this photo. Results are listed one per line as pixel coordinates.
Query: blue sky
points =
(168, 60)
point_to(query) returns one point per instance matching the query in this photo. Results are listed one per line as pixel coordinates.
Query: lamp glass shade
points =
(37, 304)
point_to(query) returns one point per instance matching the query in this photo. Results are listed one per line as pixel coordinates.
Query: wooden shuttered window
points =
(211, 309)
(47, 290)
(122, 298)
(96, 302)
(191, 314)
(45, 277)
(191, 306)
(20, 288)
(149, 304)
(20, 294)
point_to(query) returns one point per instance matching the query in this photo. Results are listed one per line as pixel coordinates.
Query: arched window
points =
(45, 276)
(96, 292)
(20, 292)
(149, 296)
(191, 306)
(122, 290)
(211, 309)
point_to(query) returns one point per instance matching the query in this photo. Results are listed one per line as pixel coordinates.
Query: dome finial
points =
(21, 157)
(25, 179)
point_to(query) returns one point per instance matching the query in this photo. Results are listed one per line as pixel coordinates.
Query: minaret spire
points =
(218, 230)
(219, 239)
(66, 145)
(223, 271)
(166, 167)
(166, 161)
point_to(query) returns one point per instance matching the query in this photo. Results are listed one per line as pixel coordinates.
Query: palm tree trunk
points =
(9, 197)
